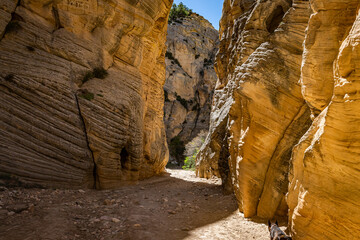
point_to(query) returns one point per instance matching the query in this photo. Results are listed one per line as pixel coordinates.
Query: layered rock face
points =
(82, 91)
(274, 94)
(192, 43)
(259, 113)
(324, 191)
(327, 27)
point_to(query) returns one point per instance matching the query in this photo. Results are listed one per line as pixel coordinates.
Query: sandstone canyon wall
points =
(192, 43)
(274, 93)
(324, 191)
(258, 113)
(81, 89)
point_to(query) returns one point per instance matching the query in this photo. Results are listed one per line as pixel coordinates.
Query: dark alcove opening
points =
(274, 19)
(124, 159)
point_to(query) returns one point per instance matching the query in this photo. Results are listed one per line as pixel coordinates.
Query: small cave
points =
(274, 19)
(124, 159)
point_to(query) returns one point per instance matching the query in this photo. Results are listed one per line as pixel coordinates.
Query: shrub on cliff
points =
(95, 73)
(178, 12)
(100, 73)
(86, 95)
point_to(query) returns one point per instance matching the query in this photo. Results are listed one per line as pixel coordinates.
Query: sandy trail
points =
(174, 206)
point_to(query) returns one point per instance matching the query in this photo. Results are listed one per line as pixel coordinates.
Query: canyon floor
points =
(176, 205)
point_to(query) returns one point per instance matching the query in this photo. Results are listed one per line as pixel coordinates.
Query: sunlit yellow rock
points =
(258, 111)
(324, 191)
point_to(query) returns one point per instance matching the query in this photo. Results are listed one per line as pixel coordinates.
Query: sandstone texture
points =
(81, 86)
(284, 132)
(327, 27)
(258, 112)
(324, 191)
(192, 43)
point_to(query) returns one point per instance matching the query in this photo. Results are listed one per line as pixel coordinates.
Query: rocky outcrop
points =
(192, 43)
(324, 191)
(81, 91)
(258, 113)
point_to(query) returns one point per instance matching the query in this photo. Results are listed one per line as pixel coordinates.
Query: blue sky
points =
(209, 9)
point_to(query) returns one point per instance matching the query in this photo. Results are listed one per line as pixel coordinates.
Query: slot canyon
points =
(139, 119)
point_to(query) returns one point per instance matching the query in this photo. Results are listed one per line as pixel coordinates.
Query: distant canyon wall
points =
(81, 87)
(192, 43)
(283, 128)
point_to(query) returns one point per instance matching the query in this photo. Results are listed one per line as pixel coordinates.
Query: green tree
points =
(192, 149)
(189, 162)
(178, 12)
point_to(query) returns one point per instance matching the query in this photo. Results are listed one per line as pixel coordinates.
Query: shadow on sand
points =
(181, 204)
(168, 207)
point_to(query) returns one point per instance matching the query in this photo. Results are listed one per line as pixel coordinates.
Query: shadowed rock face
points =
(258, 113)
(324, 190)
(190, 77)
(66, 123)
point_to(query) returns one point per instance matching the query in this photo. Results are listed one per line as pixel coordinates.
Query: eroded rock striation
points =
(284, 133)
(258, 113)
(81, 87)
(192, 43)
(324, 191)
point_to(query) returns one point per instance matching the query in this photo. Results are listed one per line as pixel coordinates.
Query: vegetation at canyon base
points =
(192, 149)
(189, 162)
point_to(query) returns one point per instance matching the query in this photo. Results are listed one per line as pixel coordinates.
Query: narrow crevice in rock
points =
(171, 109)
(56, 18)
(295, 118)
(87, 140)
(198, 111)
(224, 169)
(195, 122)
